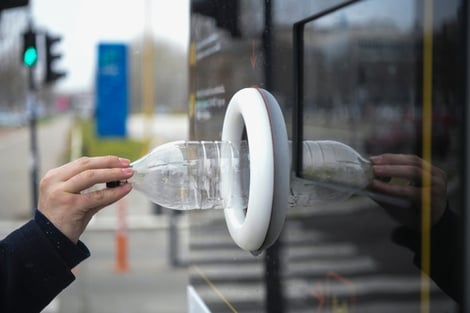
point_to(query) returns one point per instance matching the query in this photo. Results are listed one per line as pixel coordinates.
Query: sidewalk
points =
(148, 283)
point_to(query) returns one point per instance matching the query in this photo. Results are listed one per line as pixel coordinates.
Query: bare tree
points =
(13, 76)
(170, 76)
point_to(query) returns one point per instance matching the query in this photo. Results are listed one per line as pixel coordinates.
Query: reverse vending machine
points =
(355, 114)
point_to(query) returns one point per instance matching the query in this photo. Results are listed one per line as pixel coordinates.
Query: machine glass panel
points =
(376, 83)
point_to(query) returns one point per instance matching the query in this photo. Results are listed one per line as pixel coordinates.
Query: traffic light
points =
(51, 74)
(29, 56)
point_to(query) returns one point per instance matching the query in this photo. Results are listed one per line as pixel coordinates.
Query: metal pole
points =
(466, 223)
(173, 244)
(148, 79)
(274, 298)
(34, 161)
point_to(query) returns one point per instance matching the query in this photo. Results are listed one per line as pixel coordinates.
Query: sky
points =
(84, 23)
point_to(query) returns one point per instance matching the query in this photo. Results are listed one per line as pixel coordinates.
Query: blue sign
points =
(112, 90)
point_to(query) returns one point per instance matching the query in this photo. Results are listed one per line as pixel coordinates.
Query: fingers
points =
(61, 199)
(396, 159)
(92, 177)
(101, 198)
(83, 164)
(404, 191)
(409, 174)
(408, 167)
(410, 178)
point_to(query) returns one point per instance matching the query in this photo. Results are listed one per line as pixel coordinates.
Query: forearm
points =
(33, 271)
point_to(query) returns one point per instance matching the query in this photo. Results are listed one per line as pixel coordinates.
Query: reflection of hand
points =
(60, 197)
(410, 170)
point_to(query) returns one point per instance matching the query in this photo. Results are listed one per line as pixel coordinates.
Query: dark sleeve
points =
(71, 253)
(32, 270)
(446, 253)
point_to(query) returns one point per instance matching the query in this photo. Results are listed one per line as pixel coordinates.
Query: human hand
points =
(409, 169)
(61, 197)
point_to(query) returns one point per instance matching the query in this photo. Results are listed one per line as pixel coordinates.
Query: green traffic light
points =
(30, 56)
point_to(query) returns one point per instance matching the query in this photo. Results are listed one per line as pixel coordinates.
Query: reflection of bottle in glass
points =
(332, 171)
(186, 175)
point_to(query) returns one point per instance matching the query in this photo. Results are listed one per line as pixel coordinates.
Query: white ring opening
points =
(247, 108)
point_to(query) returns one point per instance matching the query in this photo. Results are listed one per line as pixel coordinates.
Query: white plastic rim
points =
(261, 224)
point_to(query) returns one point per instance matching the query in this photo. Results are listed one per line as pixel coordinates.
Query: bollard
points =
(121, 261)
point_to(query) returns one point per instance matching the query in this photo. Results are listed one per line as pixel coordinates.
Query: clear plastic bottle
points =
(186, 175)
(332, 171)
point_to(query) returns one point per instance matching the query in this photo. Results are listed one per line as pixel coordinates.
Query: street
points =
(15, 160)
(150, 282)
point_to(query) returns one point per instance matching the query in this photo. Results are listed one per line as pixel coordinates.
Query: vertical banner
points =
(112, 90)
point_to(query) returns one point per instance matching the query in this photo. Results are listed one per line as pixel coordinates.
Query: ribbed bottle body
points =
(187, 175)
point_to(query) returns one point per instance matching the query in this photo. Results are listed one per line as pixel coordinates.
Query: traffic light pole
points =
(29, 59)
(34, 162)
